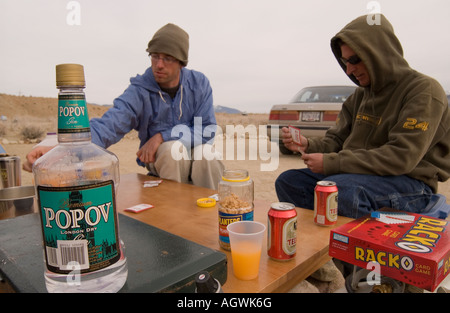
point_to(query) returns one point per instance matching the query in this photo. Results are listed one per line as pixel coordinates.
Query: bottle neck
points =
(73, 119)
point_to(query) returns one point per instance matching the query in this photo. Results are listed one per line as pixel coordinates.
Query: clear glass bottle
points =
(76, 183)
(235, 202)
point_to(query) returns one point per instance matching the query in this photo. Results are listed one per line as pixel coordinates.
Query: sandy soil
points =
(264, 180)
(25, 111)
(126, 152)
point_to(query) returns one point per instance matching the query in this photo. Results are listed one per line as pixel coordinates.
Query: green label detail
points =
(79, 227)
(72, 114)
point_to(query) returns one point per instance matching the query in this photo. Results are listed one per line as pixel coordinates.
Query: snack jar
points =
(235, 202)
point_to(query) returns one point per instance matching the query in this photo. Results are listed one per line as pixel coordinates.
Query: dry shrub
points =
(2, 130)
(31, 132)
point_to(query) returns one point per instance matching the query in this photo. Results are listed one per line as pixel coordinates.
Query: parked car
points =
(313, 110)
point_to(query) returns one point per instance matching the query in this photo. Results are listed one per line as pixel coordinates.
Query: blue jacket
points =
(148, 110)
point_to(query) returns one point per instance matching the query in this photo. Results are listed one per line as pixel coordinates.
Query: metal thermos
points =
(10, 172)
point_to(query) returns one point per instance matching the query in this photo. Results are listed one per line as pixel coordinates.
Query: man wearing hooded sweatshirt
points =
(391, 143)
(171, 108)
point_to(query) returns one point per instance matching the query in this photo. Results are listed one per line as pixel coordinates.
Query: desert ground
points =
(260, 159)
(126, 152)
(263, 180)
(22, 112)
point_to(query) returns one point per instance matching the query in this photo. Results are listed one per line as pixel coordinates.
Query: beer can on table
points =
(325, 203)
(282, 231)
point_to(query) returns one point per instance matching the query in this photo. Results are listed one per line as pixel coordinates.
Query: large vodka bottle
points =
(76, 184)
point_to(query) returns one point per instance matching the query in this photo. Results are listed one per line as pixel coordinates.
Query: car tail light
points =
(330, 116)
(284, 115)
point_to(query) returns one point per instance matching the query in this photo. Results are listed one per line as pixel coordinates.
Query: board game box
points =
(409, 247)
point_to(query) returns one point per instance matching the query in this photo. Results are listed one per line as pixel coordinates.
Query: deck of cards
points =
(295, 133)
(152, 183)
(139, 208)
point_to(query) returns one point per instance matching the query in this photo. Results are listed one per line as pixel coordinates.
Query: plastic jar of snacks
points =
(235, 202)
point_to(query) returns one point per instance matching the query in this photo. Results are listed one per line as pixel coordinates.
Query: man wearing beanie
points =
(171, 108)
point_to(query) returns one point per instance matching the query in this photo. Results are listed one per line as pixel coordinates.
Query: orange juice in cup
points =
(246, 256)
(246, 243)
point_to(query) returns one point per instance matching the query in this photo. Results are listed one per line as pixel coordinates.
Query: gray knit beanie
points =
(171, 40)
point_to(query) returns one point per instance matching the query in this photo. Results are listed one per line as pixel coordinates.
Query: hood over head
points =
(377, 46)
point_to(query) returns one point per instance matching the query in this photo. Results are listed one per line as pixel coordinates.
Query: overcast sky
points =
(256, 53)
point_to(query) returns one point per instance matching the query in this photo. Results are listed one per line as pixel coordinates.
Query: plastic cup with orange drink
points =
(246, 244)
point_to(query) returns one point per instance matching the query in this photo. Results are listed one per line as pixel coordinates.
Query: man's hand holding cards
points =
(295, 133)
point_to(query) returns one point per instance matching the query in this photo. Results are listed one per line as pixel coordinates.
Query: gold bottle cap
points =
(70, 75)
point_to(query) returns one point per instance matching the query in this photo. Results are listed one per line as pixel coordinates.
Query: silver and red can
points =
(325, 203)
(282, 231)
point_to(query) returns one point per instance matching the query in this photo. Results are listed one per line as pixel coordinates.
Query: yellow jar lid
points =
(235, 175)
(206, 202)
(236, 180)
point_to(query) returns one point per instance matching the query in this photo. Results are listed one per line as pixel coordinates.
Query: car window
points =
(331, 94)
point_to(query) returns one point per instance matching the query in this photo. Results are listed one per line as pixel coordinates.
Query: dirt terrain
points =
(22, 111)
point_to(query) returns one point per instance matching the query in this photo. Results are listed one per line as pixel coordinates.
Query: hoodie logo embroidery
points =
(411, 123)
(374, 120)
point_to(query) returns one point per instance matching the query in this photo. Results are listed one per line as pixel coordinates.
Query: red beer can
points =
(325, 203)
(282, 231)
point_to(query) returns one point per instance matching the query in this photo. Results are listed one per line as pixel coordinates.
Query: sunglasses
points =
(353, 60)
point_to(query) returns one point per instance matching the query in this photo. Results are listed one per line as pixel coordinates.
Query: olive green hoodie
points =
(399, 124)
